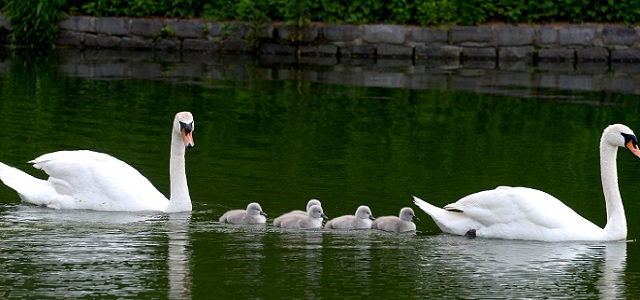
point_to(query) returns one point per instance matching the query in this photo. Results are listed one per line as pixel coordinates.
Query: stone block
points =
(70, 38)
(547, 55)
(290, 33)
(350, 62)
(428, 36)
(277, 49)
(166, 45)
(618, 35)
(473, 53)
(227, 30)
(360, 51)
(186, 28)
(341, 33)
(108, 41)
(310, 33)
(318, 61)
(549, 77)
(578, 35)
(234, 45)
(516, 53)
(394, 51)
(146, 27)
(474, 36)
(386, 34)
(473, 65)
(592, 54)
(520, 66)
(200, 45)
(625, 55)
(438, 52)
(593, 67)
(515, 35)
(135, 44)
(90, 41)
(112, 26)
(319, 50)
(80, 24)
(547, 36)
(236, 30)
(214, 29)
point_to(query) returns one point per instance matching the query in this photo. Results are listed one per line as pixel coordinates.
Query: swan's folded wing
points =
(517, 205)
(98, 179)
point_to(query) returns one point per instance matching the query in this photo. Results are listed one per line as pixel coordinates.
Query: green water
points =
(282, 142)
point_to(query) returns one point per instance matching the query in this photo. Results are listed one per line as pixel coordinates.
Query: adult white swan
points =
(90, 180)
(529, 214)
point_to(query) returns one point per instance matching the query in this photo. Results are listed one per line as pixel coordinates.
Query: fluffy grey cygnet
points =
(303, 213)
(252, 215)
(397, 224)
(310, 203)
(361, 220)
(313, 219)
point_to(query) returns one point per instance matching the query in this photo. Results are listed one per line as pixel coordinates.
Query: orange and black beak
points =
(631, 142)
(187, 134)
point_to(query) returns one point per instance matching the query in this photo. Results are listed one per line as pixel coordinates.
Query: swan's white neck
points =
(616, 227)
(179, 199)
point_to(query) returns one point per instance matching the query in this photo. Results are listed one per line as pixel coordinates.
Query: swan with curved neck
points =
(85, 179)
(530, 214)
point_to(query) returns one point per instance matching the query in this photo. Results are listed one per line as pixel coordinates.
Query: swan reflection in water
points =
(180, 274)
(524, 269)
(76, 253)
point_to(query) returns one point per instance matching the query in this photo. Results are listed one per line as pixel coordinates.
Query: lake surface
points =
(282, 140)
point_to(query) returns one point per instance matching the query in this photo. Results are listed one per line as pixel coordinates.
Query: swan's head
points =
(364, 212)
(621, 136)
(183, 125)
(316, 212)
(407, 214)
(254, 209)
(313, 202)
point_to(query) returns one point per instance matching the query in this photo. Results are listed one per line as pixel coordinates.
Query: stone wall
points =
(535, 43)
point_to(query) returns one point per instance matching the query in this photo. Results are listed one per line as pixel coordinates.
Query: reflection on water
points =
(67, 254)
(304, 249)
(179, 258)
(523, 269)
(48, 253)
(281, 142)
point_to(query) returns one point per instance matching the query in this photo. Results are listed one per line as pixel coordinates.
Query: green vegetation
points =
(34, 21)
(422, 12)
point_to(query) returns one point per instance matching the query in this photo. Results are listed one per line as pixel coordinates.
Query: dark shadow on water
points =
(511, 78)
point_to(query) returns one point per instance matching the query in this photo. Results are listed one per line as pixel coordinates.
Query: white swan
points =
(529, 214)
(252, 215)
(90, 180)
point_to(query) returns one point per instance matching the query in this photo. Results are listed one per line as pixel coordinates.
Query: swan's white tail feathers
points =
(430, 209)
(449, 221)
(16, 179)
(30, 189)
